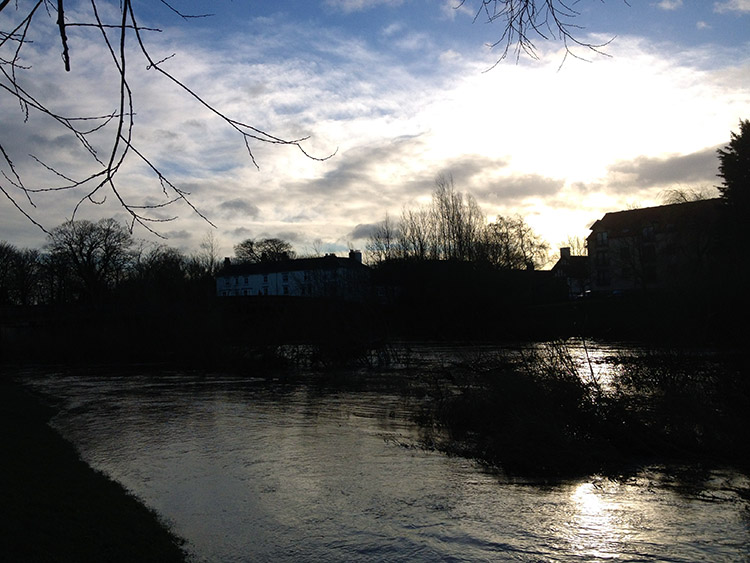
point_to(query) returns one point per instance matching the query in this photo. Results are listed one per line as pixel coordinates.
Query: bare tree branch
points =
(63, 35)
(524, 21)
(95, 186)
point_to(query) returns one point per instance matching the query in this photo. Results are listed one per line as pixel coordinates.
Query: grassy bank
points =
(56, 508)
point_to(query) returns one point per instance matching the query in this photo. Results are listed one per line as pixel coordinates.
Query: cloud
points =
(669, 4)
(469, 170)
(348, 6)
(392, 29)
(451, 8)
(741, 6)
(178, 235)
(239, 206)
(513, 189)
(295, 237)
(700, 167)
(358, 172)
(363, 231)
(241, 233)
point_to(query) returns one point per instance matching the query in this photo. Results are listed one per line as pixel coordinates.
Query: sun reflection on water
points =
(596, 530)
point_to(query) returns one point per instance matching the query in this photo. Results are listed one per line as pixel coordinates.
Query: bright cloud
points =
(669, 4)
(741, 6)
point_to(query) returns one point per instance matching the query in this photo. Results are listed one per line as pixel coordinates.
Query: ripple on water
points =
(249, 470)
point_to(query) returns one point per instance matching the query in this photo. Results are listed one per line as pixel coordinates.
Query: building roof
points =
(328, 262)
(572, 267)
(662, 217)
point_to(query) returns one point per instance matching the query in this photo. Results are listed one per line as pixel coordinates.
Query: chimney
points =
(227, 262)
(564, 253)
(355, 255)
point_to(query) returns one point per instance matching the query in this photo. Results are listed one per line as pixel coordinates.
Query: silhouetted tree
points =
(208, 256)
(511, 244)
(8, 254)
(56, 282)
(734, 169)
(158, 272)
(576, 244)
(458, 222)
(94, 256)
(19, 275)
(416, 232)
(382, 243)
(27, 269)
(685, 195)
(450, 228)
(160, 265)
(453, 228)
(263, 250)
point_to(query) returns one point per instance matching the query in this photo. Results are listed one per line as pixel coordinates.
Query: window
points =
(286, 289)
(265, 279)
(602, 238)
(648, 233)
(245, 280)
(285, 277)
(265, 290)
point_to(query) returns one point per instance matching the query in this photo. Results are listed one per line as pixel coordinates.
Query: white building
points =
(329, 276)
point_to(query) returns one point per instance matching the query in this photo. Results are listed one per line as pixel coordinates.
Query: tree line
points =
(86, 261)
(453, 227)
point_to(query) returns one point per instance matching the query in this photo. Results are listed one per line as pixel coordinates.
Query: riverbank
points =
(56, 508)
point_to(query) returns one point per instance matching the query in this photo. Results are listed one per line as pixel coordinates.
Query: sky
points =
(395, 93)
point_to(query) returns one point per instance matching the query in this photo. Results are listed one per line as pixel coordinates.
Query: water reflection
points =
(596, 531)
(249, 470)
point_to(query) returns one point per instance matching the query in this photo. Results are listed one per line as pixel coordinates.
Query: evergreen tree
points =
(734, 169)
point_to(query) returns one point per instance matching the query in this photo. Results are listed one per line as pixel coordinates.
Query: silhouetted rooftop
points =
(665, 217)
(297, 265)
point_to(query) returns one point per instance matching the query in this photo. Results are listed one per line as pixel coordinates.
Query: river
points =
(257, 469)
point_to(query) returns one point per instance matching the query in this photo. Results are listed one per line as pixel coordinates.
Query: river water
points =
(251, 469)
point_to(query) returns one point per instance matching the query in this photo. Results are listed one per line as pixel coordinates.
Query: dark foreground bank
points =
(56, 508)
